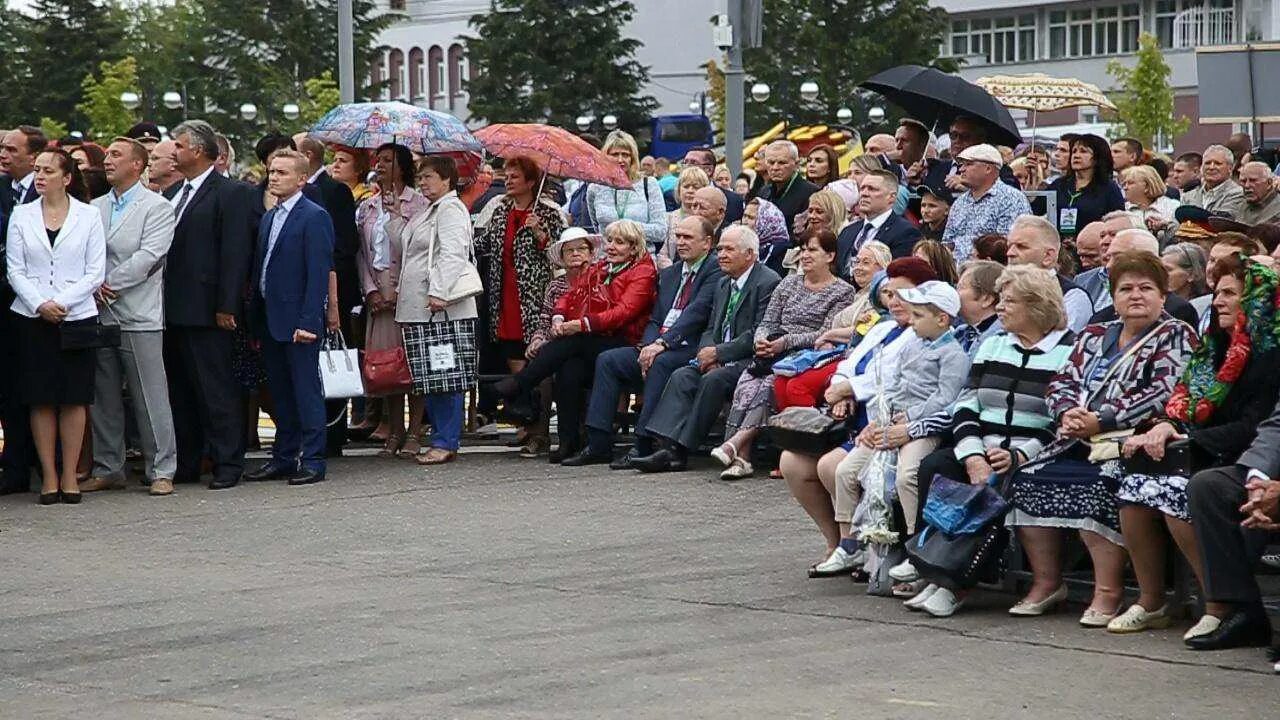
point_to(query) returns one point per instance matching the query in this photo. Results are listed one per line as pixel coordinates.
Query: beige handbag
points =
(467, 284)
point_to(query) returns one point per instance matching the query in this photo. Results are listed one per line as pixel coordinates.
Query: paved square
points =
(501, 588)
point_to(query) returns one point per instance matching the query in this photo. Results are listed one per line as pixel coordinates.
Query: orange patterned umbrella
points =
(557, 151)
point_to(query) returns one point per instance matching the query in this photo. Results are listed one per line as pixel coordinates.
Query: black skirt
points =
(49, 374)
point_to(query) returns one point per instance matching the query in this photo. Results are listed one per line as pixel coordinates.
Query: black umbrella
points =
(936, 98)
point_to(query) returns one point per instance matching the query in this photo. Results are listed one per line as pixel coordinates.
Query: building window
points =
(999, 40)
(397, 5)
(1188, 23)
(1110, 30)
(415, 75)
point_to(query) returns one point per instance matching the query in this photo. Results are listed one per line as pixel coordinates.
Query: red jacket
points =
(620, 308)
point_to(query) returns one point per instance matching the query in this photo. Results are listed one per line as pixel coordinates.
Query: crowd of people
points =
(1106, 363)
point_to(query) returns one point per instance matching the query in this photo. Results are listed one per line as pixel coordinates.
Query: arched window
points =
(397, 73)
(456, 74)
(415, 75)
(377, 72)
(435, 76)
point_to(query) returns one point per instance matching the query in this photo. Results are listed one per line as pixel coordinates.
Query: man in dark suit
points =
(18, 152)
(344, 293)
(290, 285)
(686, 291)
(704, 158)
(877, 192)
(786, 187)
(964, 133)
(205, 276)
(696, 393)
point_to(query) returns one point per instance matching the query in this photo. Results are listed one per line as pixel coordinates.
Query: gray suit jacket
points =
(136, 249)
(1263, 454)
(756, 293)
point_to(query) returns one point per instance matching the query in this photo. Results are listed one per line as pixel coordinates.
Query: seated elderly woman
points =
(1119, 374)
(1229, 386)
(771, 227)
(1002, 411)
(800, 309)
(812, 479)
(1187, 266)
(606, 307)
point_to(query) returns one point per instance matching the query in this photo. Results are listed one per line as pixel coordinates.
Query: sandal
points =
(392, 446)
(437, 456)
(411, 448)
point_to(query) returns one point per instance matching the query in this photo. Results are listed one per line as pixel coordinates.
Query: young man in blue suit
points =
(291, 265)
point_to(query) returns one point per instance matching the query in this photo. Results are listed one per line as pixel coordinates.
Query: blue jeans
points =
(446, 412)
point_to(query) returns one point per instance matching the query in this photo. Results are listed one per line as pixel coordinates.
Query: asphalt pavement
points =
(506, 588)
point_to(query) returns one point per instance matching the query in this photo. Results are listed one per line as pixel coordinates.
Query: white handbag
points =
(340, 369)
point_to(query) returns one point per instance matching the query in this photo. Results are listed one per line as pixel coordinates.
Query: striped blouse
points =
(1003, 404)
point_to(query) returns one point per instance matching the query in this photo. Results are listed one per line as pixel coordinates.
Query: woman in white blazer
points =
(56, 262)
(437, 251)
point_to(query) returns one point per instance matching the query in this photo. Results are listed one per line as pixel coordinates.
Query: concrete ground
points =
(501, 588)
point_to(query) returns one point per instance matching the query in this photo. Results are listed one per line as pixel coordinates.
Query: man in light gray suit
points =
(140, 228)
(695, 395)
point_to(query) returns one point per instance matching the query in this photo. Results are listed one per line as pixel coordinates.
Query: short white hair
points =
(1231, 157)
(788, 145)
(1121, 214)
(1142, 240)
(744, 237)
(1044, 230)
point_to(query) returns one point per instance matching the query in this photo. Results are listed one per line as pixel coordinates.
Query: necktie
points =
(686, 289)
(182, 201)
(863, 234)
(16, 192)
(277, 224)
(730, 309)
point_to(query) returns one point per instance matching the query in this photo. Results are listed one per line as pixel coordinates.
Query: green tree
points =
(64, 40)
(322, 95)
(837, 45)
(13, 103)
(1144, 98)
(107, 116)
(715, 93)
(552, 61)
(53, 128)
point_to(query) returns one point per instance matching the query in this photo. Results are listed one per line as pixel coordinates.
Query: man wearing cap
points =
(877, 192)
(987, 205)
(685, 294)
(1217, 193)
(935, 207)
(1261, 201)
(147, 133)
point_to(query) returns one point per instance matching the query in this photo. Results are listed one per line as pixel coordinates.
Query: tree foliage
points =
(552, 61)
(837, 45)
(1144, 98)
(102, 109)
(65, 40)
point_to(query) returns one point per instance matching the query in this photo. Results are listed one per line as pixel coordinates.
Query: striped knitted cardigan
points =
(1003, 403)
(1134, 392)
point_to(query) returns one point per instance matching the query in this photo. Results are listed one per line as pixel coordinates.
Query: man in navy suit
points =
(877, 192)
(18, 152)
(686, 291)
(290, 284)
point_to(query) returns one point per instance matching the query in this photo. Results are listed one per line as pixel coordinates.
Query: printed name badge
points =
(441, 357)
(672, 316)
(1067, 220)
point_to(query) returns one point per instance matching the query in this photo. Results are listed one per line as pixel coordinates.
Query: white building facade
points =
(426, 63)
(1078, 39)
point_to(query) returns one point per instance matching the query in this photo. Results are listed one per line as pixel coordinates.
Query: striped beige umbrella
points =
(1043, 93)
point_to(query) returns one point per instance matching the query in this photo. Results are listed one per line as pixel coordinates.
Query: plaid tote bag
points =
(445, 353)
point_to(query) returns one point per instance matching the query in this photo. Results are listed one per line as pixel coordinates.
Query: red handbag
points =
(386, 372)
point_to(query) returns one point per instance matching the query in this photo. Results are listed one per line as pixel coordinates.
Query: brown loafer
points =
(437, 456)
(161, 486)
(95, 484)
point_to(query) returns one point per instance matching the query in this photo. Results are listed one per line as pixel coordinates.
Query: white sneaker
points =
(904, 572)
(918, 601)
(739, 469)
(725, 454)
(838, 563)
(1137, 619)
(1206, 625)
(942, 603)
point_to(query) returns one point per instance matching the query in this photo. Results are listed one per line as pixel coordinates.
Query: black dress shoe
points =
(663, 460)
(50, 498)
(1242, 628)
(624, 462)
(224, 483)
(586, 457)
(306, 477)
(270, 471)
(71, 498)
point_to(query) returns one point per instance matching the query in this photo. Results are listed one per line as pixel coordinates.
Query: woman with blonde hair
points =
(692, 179)
(1145, 200)
(642, 203)
(826, 212)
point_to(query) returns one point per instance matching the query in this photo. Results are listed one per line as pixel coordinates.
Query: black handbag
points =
(88, 336)
(1176, 461)
(763, 366)
(961, 560)
(807, 431)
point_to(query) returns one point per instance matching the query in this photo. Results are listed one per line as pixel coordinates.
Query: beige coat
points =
(447, 225)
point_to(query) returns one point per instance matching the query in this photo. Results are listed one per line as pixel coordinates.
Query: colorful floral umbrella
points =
(557, 151)
(368, 125)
